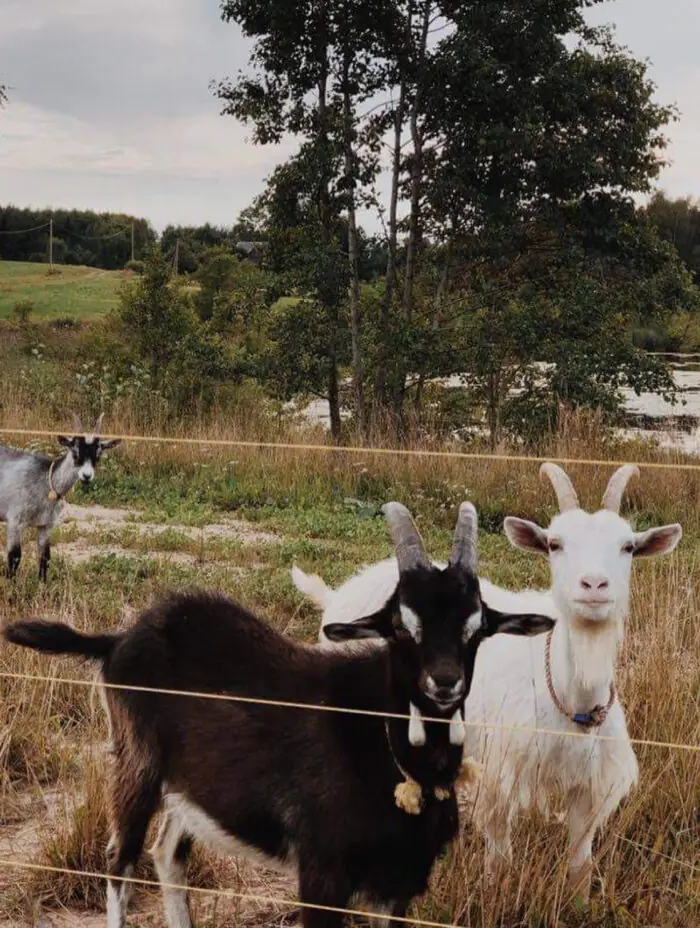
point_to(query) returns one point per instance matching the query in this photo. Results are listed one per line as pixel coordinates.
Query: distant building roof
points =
(249, 247)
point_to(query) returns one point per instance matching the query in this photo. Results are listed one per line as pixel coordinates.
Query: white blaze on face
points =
(411, 623)
(86, 471)
(473, 624)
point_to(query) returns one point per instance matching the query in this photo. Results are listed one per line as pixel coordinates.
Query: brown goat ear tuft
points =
(527, 536)
(657, 541)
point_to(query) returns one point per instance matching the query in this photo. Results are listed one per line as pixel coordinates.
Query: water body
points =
(673, 426)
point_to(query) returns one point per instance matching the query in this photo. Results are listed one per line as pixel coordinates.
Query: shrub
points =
(65, 322)
(135, 266)
(22, 310)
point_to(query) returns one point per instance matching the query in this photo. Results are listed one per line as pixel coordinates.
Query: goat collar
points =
(592, 719)
(53, 494)
(408, 795)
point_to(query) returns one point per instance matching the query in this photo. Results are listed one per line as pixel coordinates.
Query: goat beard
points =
(594, 647)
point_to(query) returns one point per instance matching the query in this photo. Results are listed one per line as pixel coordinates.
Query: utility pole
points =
(133, 246)
(176, 261)
(51, 243)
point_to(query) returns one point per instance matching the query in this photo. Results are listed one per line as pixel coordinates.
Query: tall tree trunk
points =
(353, 251)
(380, 385)
(327, 237)
(414, 215)
(437, 315)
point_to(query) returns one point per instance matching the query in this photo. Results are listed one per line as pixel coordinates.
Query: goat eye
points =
(555, 545)
(628, 547)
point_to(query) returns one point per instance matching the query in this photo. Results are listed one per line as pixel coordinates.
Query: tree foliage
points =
(80, 236)
(678, 222)
(156, 324)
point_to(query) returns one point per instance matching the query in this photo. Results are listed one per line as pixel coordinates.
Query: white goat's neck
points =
(583, 662)
(65, 475)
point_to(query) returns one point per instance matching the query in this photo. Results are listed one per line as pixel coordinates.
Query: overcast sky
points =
(111, 110)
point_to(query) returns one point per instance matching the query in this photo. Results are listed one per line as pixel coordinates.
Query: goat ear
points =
(526, 535)
(65, 441)
(378, 625)
(657, 541)
(515, 623)
(109, 444)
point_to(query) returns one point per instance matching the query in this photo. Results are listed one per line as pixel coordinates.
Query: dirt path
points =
(91, 521)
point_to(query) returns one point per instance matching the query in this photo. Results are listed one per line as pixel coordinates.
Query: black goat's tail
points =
(56, 638)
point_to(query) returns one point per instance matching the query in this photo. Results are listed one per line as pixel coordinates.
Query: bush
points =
(65, 322)
(22, 310)
(136, 266)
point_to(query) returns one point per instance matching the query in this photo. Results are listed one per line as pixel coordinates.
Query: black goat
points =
(347, 800)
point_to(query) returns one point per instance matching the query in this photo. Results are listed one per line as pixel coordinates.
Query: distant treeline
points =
(102, 240)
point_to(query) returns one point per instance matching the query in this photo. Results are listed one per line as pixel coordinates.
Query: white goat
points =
(562, 682)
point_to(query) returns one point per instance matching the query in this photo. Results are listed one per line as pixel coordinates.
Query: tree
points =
(678, 222)
(519, 135)
(94, 239)
(154, 315)
(311, 65)
(555, 327)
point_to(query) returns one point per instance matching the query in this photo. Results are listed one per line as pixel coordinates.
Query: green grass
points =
(327, 520)
(80, 292)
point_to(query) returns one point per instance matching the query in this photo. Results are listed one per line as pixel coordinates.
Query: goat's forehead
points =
(601, 526)
(434, 594)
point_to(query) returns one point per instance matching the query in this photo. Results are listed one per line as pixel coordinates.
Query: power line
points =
(24, 231)
(383, 452)
(222, 893)
(95, 238)
(343, 710)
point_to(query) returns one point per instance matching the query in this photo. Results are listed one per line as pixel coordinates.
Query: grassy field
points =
(159, 517)
(80, 292)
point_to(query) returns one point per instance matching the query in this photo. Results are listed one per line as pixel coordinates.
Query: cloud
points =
(111, 106)
(205, 147)
(164, 22)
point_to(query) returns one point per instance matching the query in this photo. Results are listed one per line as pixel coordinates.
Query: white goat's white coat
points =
(590, 557)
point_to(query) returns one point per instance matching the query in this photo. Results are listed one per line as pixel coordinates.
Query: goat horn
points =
(563, 487)
(77, 423)
(98, 425)
(410, 552)
(612, 499)
(464, 550)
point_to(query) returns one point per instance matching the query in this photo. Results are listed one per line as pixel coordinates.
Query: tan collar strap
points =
(592, 719)
(53, 495)
(409, 794)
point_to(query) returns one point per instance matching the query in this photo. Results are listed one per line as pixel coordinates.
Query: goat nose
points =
(595, 582)
(444, 685)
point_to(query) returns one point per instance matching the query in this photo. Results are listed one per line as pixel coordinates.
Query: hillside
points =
(81, 292)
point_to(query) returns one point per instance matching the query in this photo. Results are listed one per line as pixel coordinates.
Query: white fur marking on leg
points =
(171, 873)
(118, 894)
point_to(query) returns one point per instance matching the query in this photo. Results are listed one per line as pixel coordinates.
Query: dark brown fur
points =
(294, 783)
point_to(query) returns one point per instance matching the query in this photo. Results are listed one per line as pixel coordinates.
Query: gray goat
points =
(33, 487)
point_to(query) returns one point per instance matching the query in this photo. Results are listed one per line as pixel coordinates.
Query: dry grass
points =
(51, 734)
